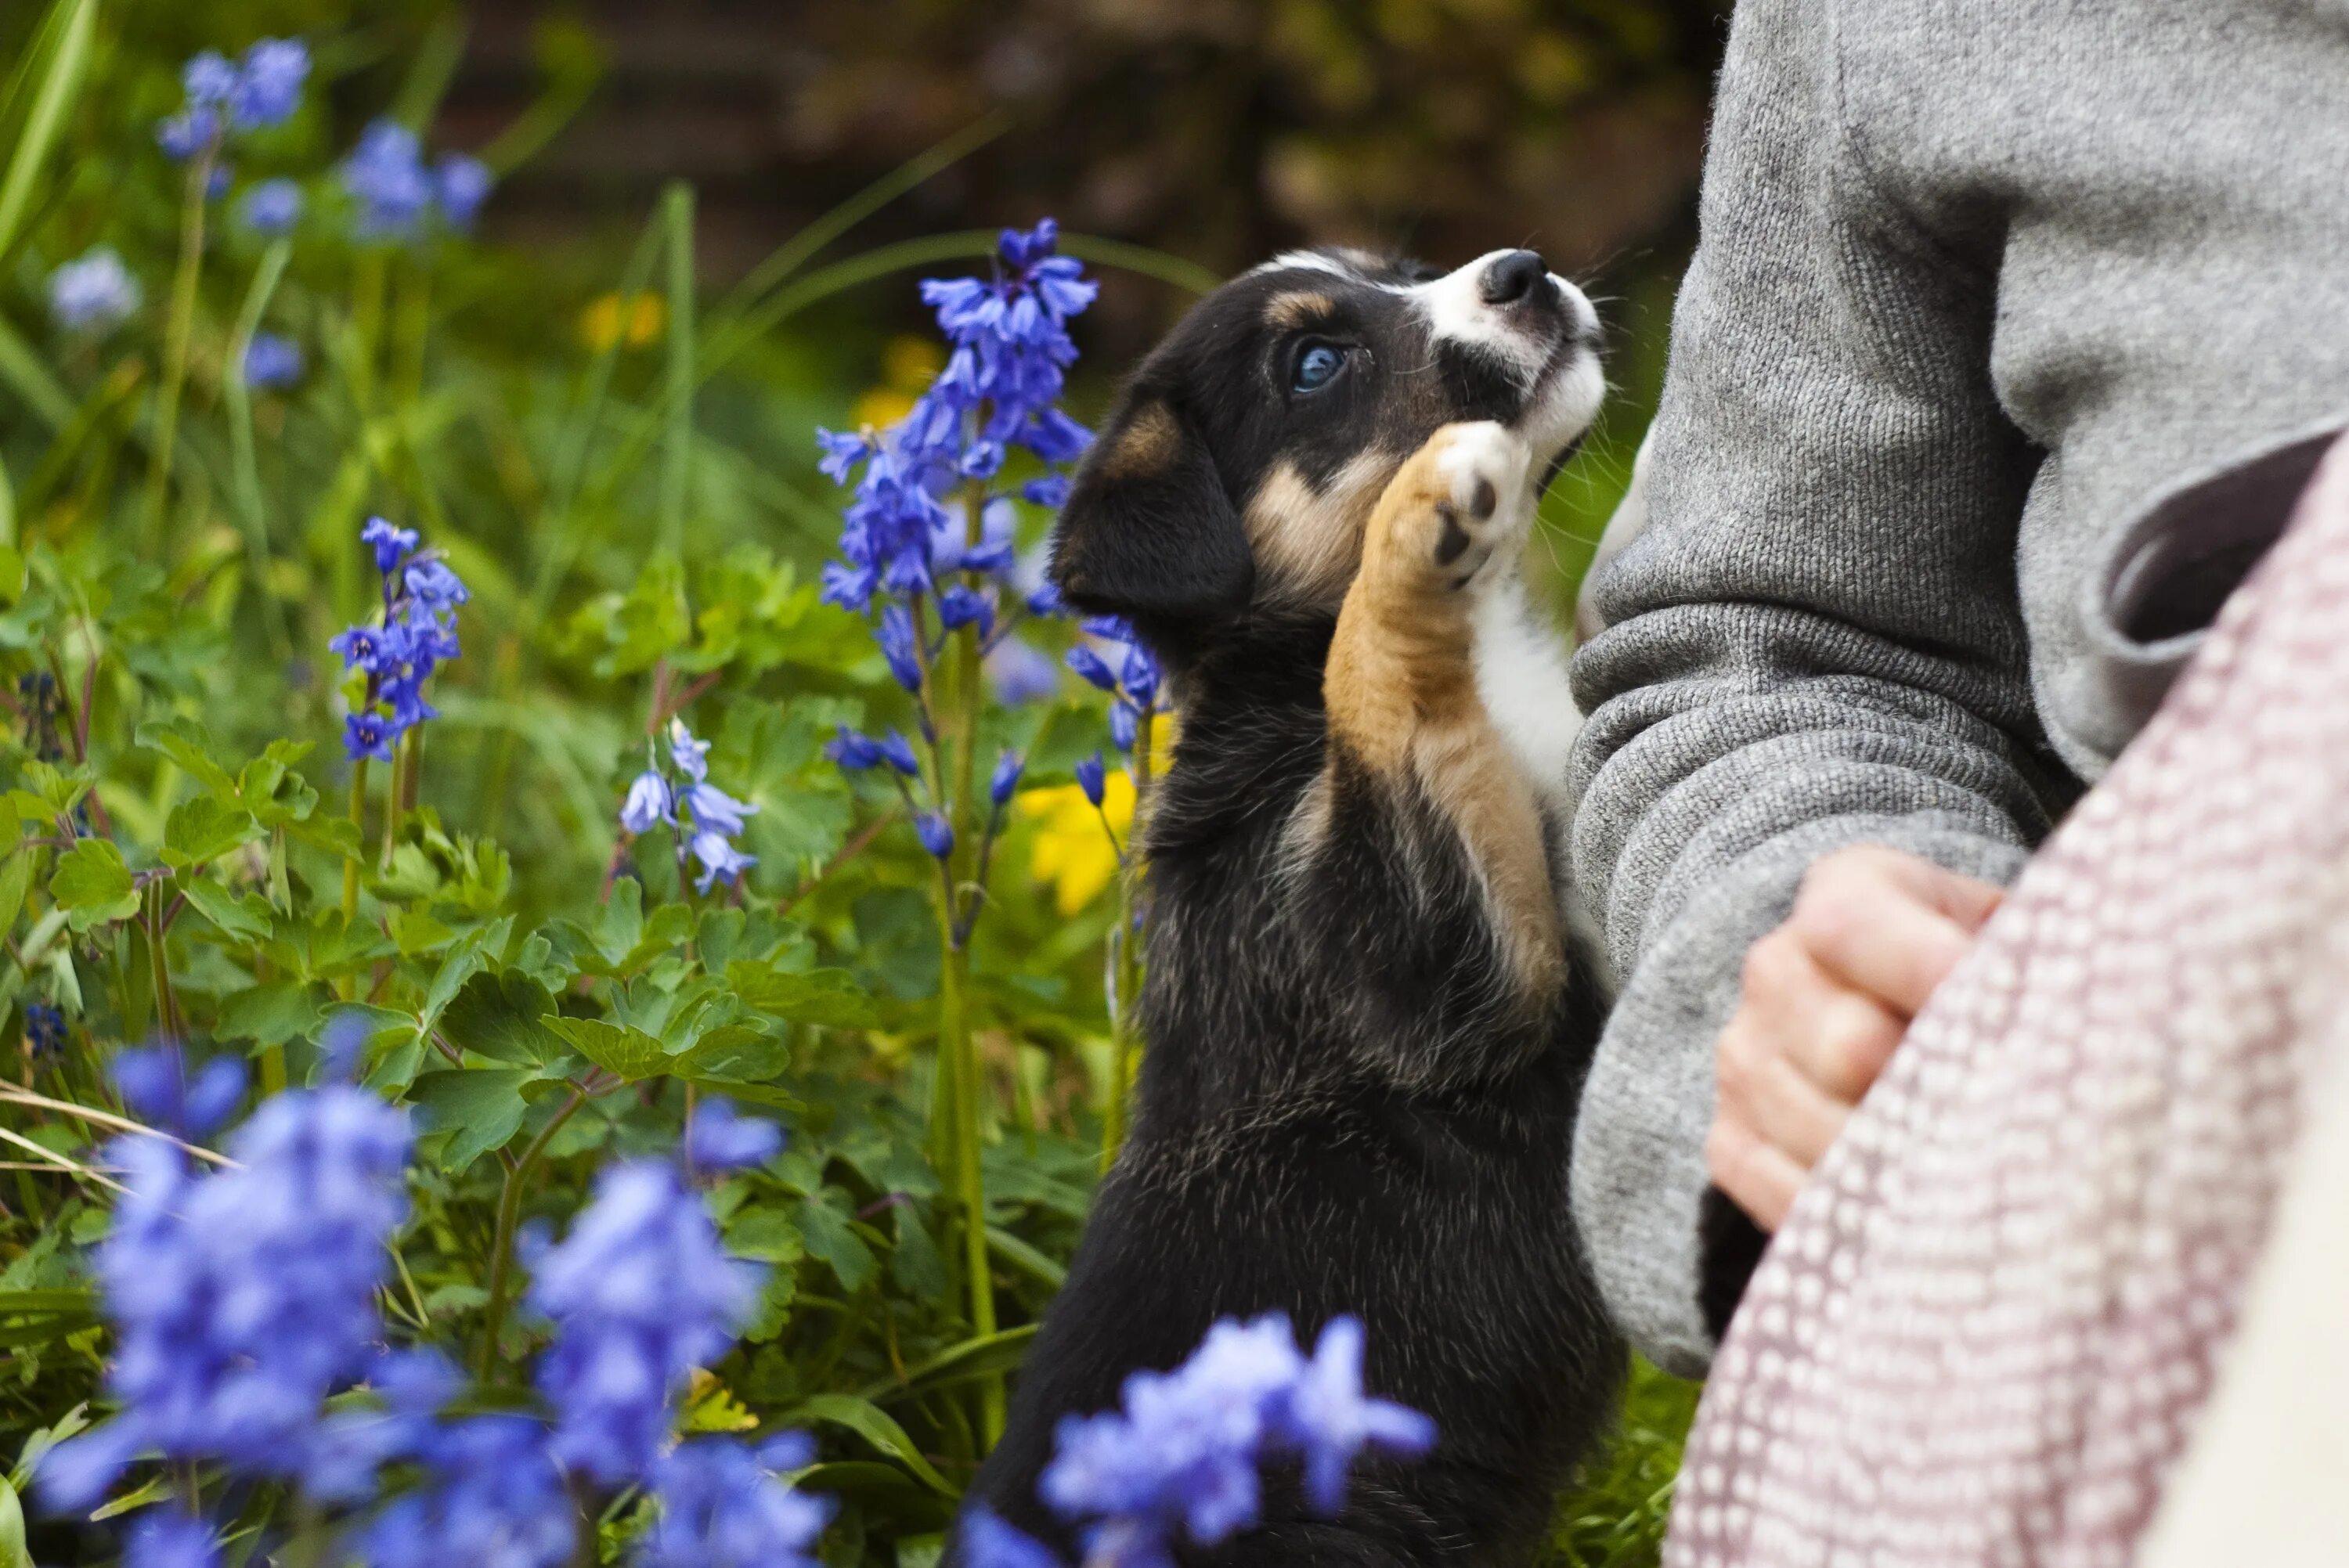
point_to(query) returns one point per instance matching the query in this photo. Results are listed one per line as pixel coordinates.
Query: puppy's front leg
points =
(1406, 723)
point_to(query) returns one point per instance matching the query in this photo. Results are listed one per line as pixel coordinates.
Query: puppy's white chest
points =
(1520, 663)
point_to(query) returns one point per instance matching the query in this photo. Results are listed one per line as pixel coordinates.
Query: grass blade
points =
(68, 35)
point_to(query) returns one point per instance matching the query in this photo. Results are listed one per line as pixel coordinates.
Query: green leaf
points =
(766, 1234)
(246, 918)
(834, 1241)
(13, 1553)
(497, 1015)
(16, 880)
(93, 885)
(482, 1106)
(269, 1014)
(980, 1357)
(203, 828)
(623, 1050)
(875, 1426)
(622, 925)
(825, 997)
(472, 953)
(733, 1054)
(187, 742)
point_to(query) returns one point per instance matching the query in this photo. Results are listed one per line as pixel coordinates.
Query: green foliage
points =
(182, 850)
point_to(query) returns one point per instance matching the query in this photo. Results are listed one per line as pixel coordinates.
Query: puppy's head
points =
(1240, 463)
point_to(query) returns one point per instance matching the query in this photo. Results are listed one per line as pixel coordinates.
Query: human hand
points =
(1825, 998)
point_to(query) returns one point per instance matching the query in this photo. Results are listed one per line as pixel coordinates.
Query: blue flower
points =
(723, 1506)
(843, 451)
(714, 810)
(45, 1029)
(434, 586)
(640, 1295)
(491, 1496)
(385, 173)
(898, 646)
(988, 1543)
(269, 88)
(649, 801)
(168, 1538)
(721, 861)
(463, 184)
(936, 833)
(187, 133)
(154, 1083)
(1124, 723)
(690, 755)
(1092, 778)
(719, 1139)
(1329, 1420)
(368, 733)
(898, 752)
(209, 79)
(272, 361)
(1019, 672)
(390, 544)
(93, 294)
(242, 1299)
(1006, 779)
(1091, 667)
(273, 207)
(959, 607)
(854, 752)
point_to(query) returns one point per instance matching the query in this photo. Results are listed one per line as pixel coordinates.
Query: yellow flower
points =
(908, 364)
(882, 408)
(639, 318)
(1071, 851)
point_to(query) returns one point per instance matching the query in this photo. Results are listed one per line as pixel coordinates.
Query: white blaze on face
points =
(1564, 403)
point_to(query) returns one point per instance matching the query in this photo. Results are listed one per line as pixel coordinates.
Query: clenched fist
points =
(1825, 997)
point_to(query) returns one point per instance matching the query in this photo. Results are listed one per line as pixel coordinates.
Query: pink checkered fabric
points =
(1992, 1319)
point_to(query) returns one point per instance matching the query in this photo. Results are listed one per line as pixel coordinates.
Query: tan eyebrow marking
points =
(1295, 310)
(1147, 444)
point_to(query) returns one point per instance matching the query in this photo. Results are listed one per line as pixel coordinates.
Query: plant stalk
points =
(179, 333)
(501, 1283)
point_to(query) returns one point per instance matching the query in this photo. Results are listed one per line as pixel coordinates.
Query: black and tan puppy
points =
(1365, 1033)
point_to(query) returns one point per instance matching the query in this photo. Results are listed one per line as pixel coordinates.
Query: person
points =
(2012, 330)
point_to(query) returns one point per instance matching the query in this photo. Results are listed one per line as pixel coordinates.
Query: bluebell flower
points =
(899, 643)
(1124, 723)
(959, 607)
(391, 544)
(721, 861)
(843, 450)
(1092, 778)
(722, 1505)
(854, 751)
(362, 647)
(649, 801)
(269, 88)
(209, 79)
(690, 755)
(45, 1029)
(1045, 600)
(1329, 1420)
(640, 1293)
(368, 734)
(1050, 491)
(898, 752)
(94, 293)
(385, 173)
(183, 135)
(463, 183)
(714, 810)
(170, 1538)
(936, 833)
(272, 207)
(241, 1299)
(719, 1139)
(1091, 667)
(272, 361)
(1006, 777)
(1019, 672)
(491, 1496)
(154, 1083)
(434, 586)
(988, 1543)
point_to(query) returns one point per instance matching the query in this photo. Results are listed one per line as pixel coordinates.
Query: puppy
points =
(1364, 1030)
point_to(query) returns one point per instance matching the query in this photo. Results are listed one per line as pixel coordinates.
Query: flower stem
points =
(358, 824)
(181, 329)
(494, 1315)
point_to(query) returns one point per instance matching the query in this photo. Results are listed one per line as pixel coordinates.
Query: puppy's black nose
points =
(1518, 275)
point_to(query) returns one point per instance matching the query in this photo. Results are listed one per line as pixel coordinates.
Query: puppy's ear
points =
(1148, 530)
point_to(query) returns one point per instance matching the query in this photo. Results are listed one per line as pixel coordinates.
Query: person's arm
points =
(1815, 643)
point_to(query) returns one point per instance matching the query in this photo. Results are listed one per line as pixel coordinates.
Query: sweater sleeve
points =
(1816, 641)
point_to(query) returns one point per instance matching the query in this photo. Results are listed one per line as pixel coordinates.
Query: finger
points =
(1793, 1114)
(1969, 901)
(1874, 933)
(1759, 1179)
(1842, 1046)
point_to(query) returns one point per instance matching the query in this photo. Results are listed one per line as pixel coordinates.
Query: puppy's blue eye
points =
(1318, 366)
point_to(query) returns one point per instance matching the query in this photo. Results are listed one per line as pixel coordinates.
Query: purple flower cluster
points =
(272, 361)
(417, 633)
(1010, 353)
(242, 1298)
(1180, 1461)
(706, 820)
(44, 1030)
(272, 207)
(223, 95)
(640, 1293)
(1124, 669)
(93, 294)
(397, 194)
(723, 1505)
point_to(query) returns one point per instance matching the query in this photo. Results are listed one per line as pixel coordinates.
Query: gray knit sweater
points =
(2008, 325)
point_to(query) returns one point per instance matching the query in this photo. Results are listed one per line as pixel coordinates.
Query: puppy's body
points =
(1365, 1034)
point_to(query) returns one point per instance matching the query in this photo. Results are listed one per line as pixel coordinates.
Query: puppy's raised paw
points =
(1460, 502)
